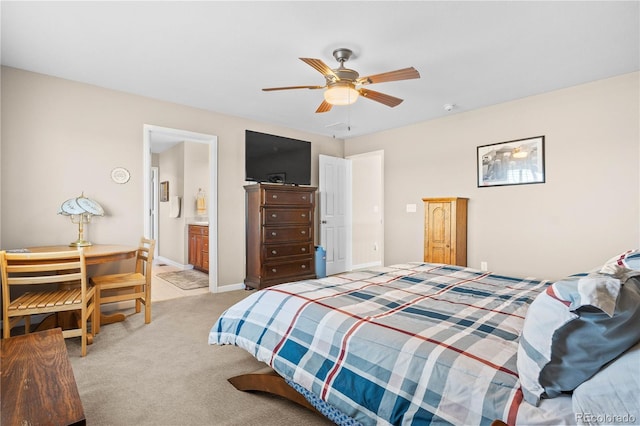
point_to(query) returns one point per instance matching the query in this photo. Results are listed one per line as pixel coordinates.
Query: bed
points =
(416, 343)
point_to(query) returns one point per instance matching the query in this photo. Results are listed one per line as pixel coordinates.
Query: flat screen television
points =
(276, 159)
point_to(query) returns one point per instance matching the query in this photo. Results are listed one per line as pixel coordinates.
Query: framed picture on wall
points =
(164, 191)
(516, 162)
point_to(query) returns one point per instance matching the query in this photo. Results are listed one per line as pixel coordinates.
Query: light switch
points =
(411, 208)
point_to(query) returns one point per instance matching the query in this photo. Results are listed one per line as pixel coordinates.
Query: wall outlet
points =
(411, 208)
(484, 266)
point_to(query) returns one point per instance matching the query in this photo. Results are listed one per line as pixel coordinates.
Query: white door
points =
(335, 200)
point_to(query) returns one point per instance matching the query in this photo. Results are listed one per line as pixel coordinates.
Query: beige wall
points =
(196, 177)
(60, 138)
(186, 167)
(171, 234)
(587, 211)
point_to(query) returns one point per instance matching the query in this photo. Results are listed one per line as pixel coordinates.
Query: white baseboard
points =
(220, 289)
(231, 287)
(366, 265)
(170, 262)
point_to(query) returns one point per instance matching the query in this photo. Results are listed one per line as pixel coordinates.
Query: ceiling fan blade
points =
(324, 107)
(321, 67)
(403, 74)
(269, 89)
(388, 100)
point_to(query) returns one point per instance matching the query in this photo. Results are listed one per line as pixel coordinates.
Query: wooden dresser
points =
(199, 247)
(445, 230)
(279, 231)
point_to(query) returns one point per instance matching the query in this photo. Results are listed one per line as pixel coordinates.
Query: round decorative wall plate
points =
(120, 175)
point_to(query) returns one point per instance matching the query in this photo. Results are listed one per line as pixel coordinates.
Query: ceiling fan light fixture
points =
(341, 94)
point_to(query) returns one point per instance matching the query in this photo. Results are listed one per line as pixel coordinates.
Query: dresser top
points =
(279, 187)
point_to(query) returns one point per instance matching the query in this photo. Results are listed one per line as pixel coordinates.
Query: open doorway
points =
(367, 180)
(156, 138)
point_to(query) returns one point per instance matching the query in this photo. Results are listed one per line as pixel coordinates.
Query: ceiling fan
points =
(345, 85)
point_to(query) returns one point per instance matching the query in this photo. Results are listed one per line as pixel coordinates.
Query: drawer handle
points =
(303, 215)
(274, 196)
(303, 266)
(274, 215)
(274, 270)
(303, 249)
(274, 233)
(303, 232)
(304, 197)
(274, 251)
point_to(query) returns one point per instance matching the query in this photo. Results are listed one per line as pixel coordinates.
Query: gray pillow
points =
(574, 328)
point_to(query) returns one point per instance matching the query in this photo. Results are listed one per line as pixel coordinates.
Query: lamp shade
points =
(80, 210)
(81, 205)
(341, 94)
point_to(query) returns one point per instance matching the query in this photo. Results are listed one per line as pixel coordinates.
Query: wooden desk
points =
(38, 386)
(94, 255)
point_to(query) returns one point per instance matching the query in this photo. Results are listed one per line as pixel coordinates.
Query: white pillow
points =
(611, 396)
(623, 266)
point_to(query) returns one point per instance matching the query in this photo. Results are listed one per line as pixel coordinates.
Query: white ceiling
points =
(218, 55)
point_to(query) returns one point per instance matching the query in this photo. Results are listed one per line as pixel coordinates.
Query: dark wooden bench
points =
(38, 386)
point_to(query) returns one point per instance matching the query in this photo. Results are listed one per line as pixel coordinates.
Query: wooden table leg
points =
(49, 322)
(111, 318)
(69, 320)
(64, 320)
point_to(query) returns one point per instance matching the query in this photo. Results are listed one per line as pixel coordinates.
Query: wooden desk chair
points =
(130, 285)
(66, 269)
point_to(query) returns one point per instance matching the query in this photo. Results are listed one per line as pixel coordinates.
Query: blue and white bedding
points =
(408, 344)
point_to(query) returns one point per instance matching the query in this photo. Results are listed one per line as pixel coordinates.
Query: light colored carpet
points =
(186, 280)
(165, 373)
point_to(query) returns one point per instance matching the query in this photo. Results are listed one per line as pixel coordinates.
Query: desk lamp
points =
(80, 209)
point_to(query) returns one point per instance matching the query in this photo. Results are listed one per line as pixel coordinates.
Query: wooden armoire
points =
(279, 231)
(445, 230)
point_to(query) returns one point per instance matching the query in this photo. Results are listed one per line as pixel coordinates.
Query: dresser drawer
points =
(273, 252)
(272, 271)
(277, 197)
(274, 216)
(281, 235)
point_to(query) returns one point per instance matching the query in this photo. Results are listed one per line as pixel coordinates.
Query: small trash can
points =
(321, 262)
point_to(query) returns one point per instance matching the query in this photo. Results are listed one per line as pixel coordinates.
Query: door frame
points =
(153, 198)
(212, 200)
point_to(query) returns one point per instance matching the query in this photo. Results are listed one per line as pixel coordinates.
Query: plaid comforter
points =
(408, 344)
